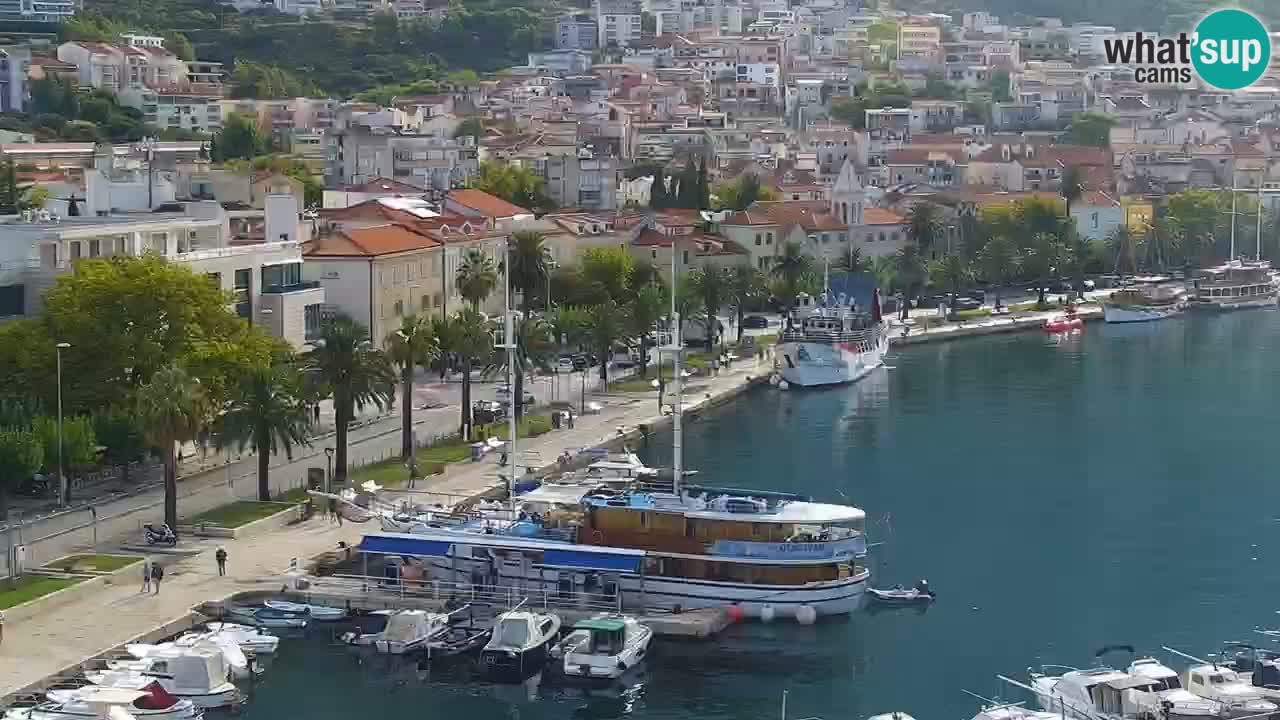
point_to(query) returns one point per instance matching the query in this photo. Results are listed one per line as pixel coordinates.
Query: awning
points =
(591, 560)
(386, 545)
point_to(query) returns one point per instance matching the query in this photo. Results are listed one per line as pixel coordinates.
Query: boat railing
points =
(799, 335)
(388, 590)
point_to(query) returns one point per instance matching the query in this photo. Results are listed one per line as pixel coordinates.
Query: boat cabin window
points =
(1217, 679)
(1169, 683)
(546, 626)
(1197, 679)
(514, 633)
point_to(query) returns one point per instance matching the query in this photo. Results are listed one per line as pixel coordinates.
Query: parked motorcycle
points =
(163, 535)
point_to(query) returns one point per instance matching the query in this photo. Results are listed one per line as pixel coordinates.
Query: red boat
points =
(1063, 323)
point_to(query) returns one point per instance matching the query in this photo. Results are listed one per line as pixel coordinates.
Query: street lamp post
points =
(582, 409)
(328, 474)
(149, 147)
(64, 489)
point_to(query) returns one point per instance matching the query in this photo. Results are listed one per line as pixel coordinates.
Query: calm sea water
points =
(1117, 487)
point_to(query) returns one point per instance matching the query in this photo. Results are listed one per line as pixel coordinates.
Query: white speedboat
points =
(406, 630)
(1224, 685)
(198, 674)
(145, 654)
(1182, 703)
(520, 644)
(1108, 694)
(319, 613)
(250, 639)
(603, 648)
(91, 702)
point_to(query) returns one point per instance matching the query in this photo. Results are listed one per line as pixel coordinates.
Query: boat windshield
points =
(513, 633)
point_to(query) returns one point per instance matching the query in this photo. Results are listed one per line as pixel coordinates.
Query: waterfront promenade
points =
(46, 643)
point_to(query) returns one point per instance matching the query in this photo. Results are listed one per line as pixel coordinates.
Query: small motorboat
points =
(457, 640)
(898, 595)
(603, 648)
(319, 613)
(406, 630)
(267, 617)
(234, 656)
(199, 674)
(1063, 322)
(93, 701)
(519, 646)
(250, 639)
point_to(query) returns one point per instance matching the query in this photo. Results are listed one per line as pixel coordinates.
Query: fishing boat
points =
(837, 338)
(405, 630)
(198, 674)
(266, 617)
(898, 595)
(250, 639)
(1234, 285)
(1146, 299)
(1218, 682)
(94, 702)
(1182, 703)
(519, 646)
(319, 613)
(602, 648)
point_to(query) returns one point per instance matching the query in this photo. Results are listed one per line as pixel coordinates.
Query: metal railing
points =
(508, 596)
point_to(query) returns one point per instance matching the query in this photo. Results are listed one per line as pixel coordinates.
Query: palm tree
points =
(912, 272)
(477, 277)
(413, 344)
(886, 271)
(646, 311)
(853, 262)
(171, 409)
(358, 374)
(789, 269)
(1042, 261)
(924, 226)
(468, 338)
(608, 323)
(533, 350)
(711, 285)
(530, 265)
(999, 261)
(267, 411)
(951, 271)
(746, 285)
(568, 325)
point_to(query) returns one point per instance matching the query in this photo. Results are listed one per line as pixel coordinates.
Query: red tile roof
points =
(370, 242)
(486, 204)
(880, 216)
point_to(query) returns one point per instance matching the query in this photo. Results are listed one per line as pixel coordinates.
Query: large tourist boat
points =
(1146, 299)
(837, 338)
(1235, 285)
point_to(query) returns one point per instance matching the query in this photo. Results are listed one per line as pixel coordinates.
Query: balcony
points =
(291, 288)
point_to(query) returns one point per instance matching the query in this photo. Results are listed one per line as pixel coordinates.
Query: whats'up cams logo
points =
(1230, 49)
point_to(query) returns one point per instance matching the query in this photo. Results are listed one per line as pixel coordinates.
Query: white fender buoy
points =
(774, 379)
(806, 615)
(783, 385)
(766, 613)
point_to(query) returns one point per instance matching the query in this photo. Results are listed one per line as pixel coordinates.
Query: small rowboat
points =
(901, 596)
(267, 617)
(319, 613)
(1062, 323)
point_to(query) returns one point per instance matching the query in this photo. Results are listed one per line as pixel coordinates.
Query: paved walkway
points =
(35, 648)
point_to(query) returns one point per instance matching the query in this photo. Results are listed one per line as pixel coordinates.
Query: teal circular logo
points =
(1230, 49)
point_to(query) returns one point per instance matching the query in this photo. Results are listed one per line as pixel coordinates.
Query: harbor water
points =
(1115, 487)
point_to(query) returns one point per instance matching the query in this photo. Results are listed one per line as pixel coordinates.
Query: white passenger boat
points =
(319, 613)
(198, 674)
(603, 648)
(94, 702)
(250, 639)
(1235, 285)
(832, 341)
(1146, 299)
(519, 646)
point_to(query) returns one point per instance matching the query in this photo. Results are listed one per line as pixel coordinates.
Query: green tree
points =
(411, 345)
(609, 269)
(999, 261)
(530, 262)
(741, 193)
(854, 261)
(79, 446)
(172, 408)
(21, 453)
(568, 325)
(467, 338)
(789, 269)
(711, 284)
(851, 111)
(646, 310)
(359, 374)
(477, 277)
(465, 77)
(924, 226)
(268, 412)
(608, 324)
(240, 138)
(117, 430)
(266, 82)
(912, 271)
(1072, 186)
(10, 194)
(514, 183)
(953, 272)
(178, 44)
(533, 351)
(470, 127)
(658, 199)
(999, 86)
(1090, 129)
(746, 286)
(1042, 260)
(885, 271)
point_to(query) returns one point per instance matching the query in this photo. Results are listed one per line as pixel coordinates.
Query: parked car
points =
(581, 361)
(565, 364)
(487, 411)
(967, 303)
(977, 294)
(755, 322)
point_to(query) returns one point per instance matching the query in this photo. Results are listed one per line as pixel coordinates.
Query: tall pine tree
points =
(689, 191)
(704, 191)
(658, 191)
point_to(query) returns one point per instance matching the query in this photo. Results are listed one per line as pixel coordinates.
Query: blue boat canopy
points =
(401, 545)
(554, 554)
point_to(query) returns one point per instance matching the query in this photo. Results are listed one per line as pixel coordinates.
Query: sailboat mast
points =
(509, 344)
(1233, 222)
(677, 344)
(1258, 253)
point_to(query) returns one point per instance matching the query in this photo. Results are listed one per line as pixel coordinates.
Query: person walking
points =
(146, 576)
(157, 574)
(1, 628)
(221, 557)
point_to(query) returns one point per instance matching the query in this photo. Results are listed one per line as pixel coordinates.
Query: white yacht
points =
(1110, 694)
(603, 648)
(832, 341)
(198, 674)
(93, 702)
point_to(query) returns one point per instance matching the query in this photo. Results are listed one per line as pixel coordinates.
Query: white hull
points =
(1227, 304)
(809, 364)
(1138, 313)
(833, 597)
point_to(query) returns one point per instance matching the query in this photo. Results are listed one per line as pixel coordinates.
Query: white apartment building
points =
(359, 154)
(14, 65)
(38, 10)
(617, 23)
(185, 107)
(920, 42)
(37, 248)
